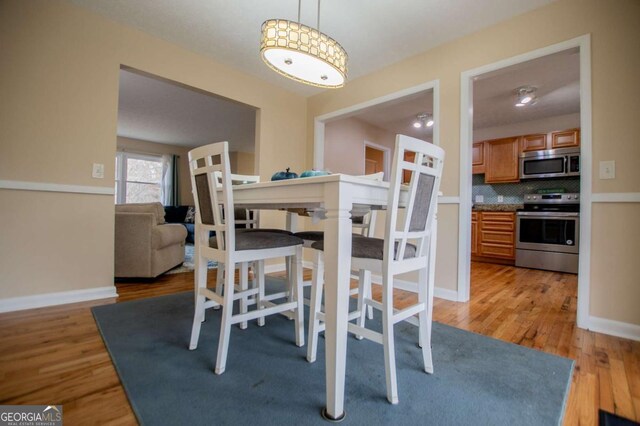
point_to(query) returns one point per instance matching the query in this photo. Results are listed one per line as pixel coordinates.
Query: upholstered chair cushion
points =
(369, 248)
(256, 240)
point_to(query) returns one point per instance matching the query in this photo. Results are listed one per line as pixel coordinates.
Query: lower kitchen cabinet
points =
(493, 236)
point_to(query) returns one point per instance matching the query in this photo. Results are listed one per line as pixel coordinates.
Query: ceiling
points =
(159, 111)
(556, 79)
(375, 33)
(163, 112)
(397, 116)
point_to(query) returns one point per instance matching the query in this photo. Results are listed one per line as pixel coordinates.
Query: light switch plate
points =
(479, 198)
(500, 199)
(98, 171)
(608, 169)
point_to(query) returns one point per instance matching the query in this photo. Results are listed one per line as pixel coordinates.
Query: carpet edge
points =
(134, 407)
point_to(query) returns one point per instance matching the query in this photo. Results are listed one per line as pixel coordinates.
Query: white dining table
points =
(336, 196)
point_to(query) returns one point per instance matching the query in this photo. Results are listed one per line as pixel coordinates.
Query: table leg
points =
(337, 276)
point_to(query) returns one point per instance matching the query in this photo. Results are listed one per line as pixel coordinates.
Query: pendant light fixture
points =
(303, 53)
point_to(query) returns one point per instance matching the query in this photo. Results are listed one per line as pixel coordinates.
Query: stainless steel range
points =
(548, 232)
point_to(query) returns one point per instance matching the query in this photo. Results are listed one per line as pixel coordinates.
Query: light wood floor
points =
(56, 355)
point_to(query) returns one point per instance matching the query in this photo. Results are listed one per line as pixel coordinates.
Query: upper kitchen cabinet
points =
(533, 142)
(478, 158)
(552, 140)
(501, 160)
(564, 139)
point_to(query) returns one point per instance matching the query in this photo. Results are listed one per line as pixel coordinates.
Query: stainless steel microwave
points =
(552, 163)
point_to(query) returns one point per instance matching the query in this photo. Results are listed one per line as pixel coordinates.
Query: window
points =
(138, 178)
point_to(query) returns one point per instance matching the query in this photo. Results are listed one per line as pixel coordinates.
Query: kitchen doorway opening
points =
(500, 163)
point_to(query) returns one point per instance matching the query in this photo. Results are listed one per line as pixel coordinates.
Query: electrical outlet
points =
(608, 169)
(98, 171)
(479, 198)
(500, 199)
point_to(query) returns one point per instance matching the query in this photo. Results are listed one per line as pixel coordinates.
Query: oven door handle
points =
(549, 215)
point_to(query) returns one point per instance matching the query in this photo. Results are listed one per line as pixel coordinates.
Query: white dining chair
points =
(406, 247)
(213, 195)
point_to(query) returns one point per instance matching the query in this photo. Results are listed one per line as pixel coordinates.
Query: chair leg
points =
(244, 286)
(225, 326)
(259, 277)
(317, 281)
(299, 296)
(388, 338)
(198, 318)
(363, 284)
(219, 281)
(425, 295)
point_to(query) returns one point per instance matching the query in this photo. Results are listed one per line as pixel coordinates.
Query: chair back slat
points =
(415, 225)
(212, 193)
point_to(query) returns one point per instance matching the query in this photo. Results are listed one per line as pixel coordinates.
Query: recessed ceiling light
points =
(525, 95)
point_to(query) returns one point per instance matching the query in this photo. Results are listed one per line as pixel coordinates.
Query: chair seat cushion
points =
(310, 235)
(369, 248)
(259, 240)
(272, 230)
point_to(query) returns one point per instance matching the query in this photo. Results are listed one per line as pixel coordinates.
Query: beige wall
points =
(615, 67)
(344, 144)
(146, 147)
(242, 163)
(58, 115)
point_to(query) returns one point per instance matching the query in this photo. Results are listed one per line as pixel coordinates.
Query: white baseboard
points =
(614, 328)
(60, 298)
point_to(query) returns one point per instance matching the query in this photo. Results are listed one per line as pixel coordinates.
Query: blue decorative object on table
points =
(313, 172)
(284, 175)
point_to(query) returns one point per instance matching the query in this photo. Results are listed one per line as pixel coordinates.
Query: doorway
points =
(468, 79)
(376, 159)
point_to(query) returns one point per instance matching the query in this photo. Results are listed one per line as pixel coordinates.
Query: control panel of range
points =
(559, 198)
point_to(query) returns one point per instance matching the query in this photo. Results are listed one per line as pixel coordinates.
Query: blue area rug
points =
(477, 380)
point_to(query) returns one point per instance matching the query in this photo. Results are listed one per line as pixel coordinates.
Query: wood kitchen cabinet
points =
(474, 232)
(552, 140)
(501, 160)
(477, 158)
(565, 139)
(493, 237)
(536, 142)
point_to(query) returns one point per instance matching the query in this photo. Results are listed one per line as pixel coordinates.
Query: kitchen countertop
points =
(502, 207)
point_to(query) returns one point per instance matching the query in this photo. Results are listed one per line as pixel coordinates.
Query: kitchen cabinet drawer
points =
(496, 237)
(493, 236)
(497, 250)
(497, 226)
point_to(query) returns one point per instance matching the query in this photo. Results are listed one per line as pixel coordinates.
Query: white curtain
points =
(169, 180)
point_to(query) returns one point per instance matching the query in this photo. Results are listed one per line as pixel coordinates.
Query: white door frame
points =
(466, 140)
(386, 157)
(319, 121)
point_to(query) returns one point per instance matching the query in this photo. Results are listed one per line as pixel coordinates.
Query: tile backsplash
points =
(513, 192)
